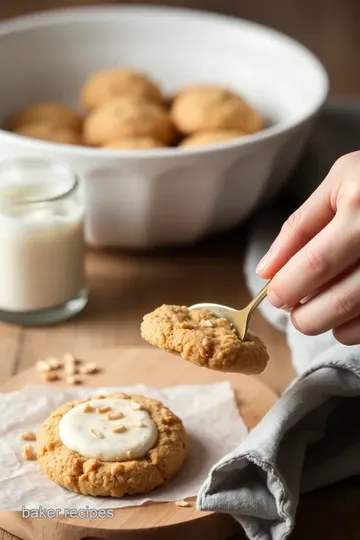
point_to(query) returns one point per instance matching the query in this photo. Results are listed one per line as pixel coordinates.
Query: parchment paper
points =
(209, 413)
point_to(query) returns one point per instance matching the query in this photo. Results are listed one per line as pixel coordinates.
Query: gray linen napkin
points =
(306, 441)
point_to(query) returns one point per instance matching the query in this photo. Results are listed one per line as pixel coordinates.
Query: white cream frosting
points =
(92, 434)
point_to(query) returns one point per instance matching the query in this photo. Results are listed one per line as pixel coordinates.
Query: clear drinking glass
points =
(42, 278)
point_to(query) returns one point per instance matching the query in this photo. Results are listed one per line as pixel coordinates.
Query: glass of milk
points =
(42, 277)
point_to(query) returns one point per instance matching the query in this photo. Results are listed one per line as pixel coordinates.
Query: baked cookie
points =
(127, 117)
(54, 114)
(134, 143)
(203, 339)
(213, 108)
(207, 138)
(112, 445)
(117, 82)
(46, 132)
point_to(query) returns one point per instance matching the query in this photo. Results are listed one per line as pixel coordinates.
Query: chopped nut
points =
(90, 465)
(102, 410)
(115, 469)
(119, 429)
(206, 323)
(70, 369)
(205, 342)
(128, 454)
(97, 434)
(42, 451)
(53, 362)
(139, 425)
(69, 358)
(135, 406)
(72, 380)
(88, 408)
(115, 415)
(49, 377)
(83, 477)
(28, 436)
(182, 504)
(28, 452)
(88, 368)
(41, 365)
(186, 326)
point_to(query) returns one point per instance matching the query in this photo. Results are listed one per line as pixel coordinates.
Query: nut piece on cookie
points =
(207, 138)
(117, 82)
(54, 114)
(47, 132)
(213, 108)
(134, 143)
(179, 330)
(127, 117)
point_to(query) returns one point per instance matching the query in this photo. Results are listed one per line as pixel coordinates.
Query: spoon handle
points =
(258, 299)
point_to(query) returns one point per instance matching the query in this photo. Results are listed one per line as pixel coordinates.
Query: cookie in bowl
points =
(117, 82)
(204, 339)
(47, 132)
(134, 143)
(112, 445)
(127, 117)
(212, 108)
(55, 114)
(207, 138)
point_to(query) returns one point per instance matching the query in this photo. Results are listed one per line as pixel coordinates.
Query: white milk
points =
(41, 248)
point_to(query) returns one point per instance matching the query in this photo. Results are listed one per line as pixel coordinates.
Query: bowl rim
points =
(64, 15)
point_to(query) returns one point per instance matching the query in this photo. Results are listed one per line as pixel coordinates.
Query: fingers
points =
(296, 232)
(333, 250)
(348, 333)
(340, 189)
(334, 307)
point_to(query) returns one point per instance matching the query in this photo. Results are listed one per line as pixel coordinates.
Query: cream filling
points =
(110, 429)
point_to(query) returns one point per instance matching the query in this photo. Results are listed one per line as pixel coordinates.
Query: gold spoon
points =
(239, 319)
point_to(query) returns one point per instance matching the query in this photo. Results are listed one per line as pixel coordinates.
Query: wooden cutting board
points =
(129, 366)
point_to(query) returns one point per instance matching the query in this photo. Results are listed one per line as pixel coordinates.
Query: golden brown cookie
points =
(46, 132)
(213, 108)
(127, 117)
(203, 339)
(207, 138)
(117, 82)
(54, 114)
(75, 472)
(134, 143)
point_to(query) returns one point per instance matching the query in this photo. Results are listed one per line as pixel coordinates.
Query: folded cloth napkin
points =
(307, 440)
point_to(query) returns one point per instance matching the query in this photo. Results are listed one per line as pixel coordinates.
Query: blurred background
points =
(330, 28)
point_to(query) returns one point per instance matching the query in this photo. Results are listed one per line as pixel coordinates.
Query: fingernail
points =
(263, 263)
(275, 300)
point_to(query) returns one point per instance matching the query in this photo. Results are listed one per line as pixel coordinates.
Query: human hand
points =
(315, 260)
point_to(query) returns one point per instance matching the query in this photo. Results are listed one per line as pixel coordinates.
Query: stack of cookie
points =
(125, 109)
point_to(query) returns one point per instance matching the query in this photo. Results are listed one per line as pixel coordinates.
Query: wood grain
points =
(123, 287)
(150, 366)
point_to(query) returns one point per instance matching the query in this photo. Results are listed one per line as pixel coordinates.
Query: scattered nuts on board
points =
(72, 380)
(28, 436)
(43, 366)
(28, 452)
(182, 504)
(50, 377)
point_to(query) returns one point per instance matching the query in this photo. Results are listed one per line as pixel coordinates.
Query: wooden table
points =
(123, 287)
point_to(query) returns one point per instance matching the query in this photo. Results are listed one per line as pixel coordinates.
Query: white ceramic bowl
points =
(141, 199)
